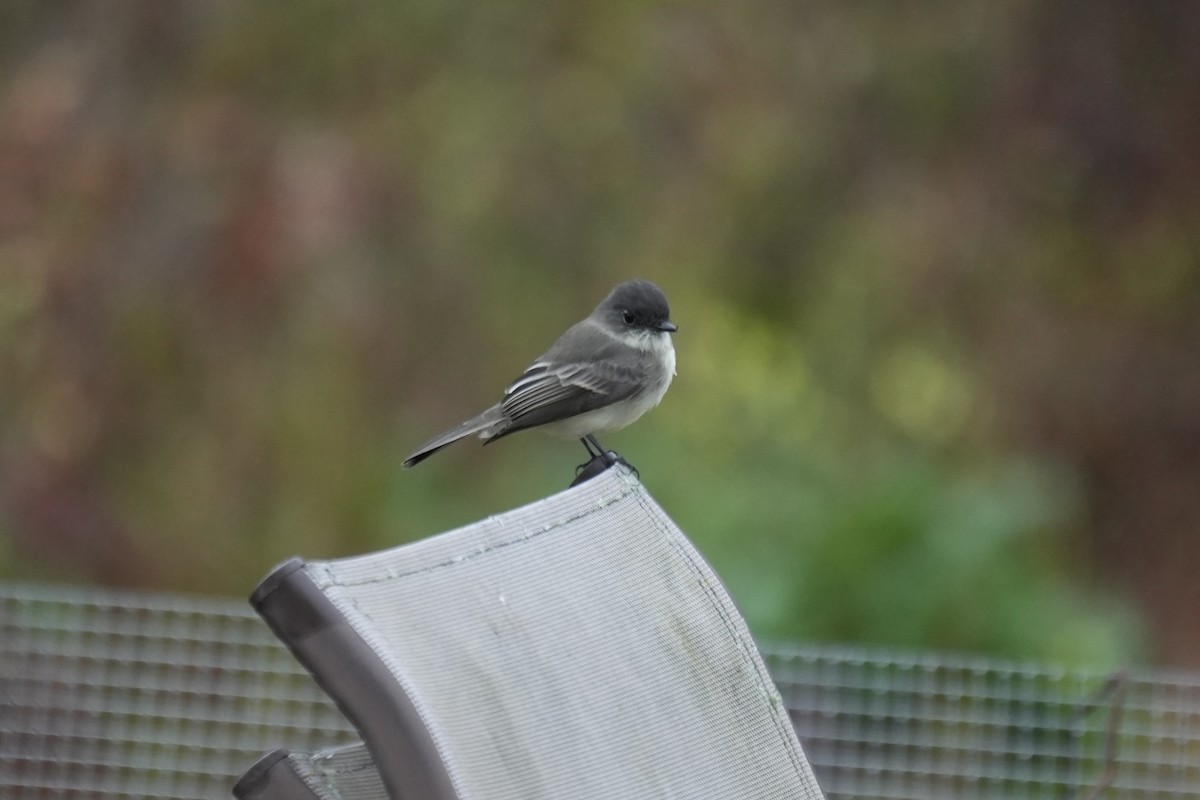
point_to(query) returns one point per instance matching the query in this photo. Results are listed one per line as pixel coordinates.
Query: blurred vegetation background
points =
(936, 270)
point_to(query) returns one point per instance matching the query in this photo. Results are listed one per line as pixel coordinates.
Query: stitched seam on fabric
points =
(316, 777)
(484, 550)
(339, 771)
(732, 629)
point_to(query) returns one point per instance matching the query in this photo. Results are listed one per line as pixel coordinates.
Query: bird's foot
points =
(598, 464)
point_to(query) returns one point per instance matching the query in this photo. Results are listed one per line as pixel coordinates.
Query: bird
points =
(602, 374)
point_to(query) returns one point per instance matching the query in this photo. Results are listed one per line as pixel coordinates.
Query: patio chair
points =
(576, 648)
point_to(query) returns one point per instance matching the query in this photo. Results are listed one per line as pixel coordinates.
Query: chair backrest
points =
(578, 647)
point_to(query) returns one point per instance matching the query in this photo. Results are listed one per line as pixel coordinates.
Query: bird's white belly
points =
(602, 420)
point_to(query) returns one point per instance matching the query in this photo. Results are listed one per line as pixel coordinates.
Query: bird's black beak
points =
(667, 326)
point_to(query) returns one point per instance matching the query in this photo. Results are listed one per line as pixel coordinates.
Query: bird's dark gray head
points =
(637, 305)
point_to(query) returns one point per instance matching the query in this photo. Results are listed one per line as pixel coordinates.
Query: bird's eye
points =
(628, 316)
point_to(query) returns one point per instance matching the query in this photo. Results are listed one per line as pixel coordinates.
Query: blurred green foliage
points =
(935, 271)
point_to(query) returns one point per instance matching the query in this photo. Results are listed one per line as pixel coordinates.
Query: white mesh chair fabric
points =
(344, 773)
(578, 647)
(347, 773)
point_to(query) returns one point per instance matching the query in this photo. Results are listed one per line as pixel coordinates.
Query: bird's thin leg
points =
(596, 444)
(594, 452)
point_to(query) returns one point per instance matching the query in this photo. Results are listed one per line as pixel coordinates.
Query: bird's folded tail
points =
(493, 418)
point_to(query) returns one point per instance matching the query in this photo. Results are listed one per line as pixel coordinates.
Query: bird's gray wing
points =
(549, 391)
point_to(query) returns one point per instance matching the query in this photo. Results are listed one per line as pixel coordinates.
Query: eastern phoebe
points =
(601, 375)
